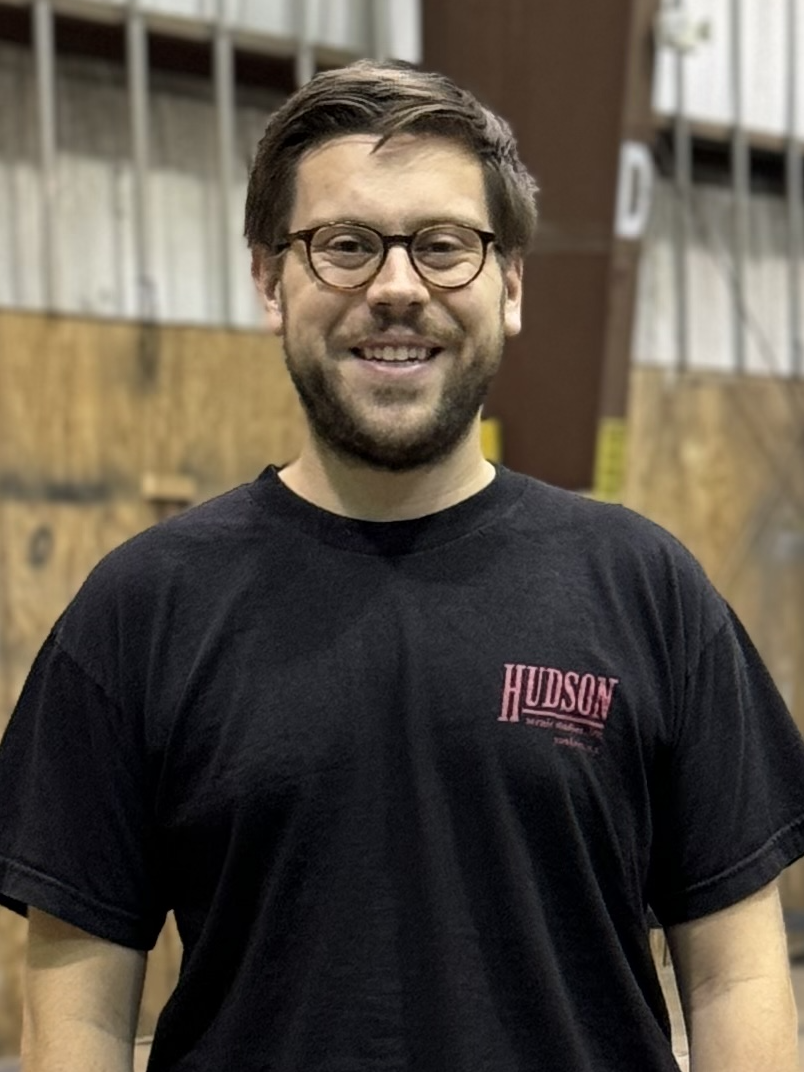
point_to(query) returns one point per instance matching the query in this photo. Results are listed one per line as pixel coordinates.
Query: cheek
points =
(482, 315)
(314, 322)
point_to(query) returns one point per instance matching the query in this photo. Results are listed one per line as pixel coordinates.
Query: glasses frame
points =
(405, 240)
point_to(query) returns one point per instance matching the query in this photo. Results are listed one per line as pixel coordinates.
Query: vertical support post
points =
(577, 260)
(224, 75)
(137, 63)
(381, 29)
(682, 159)
(305, 43)
(795, 192)
(741, 187)
(45, 52)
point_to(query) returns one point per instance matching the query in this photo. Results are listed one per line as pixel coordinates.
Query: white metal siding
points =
(340, 25)
(93, 240)
(92, 244)
(20, 218)
(765, 67)
(710, 287)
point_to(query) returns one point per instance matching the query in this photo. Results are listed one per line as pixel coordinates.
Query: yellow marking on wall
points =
(610, 459)
(491, 439)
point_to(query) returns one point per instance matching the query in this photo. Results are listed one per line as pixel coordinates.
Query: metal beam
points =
(380, 29)
(305, 40)
(137, 64)
(795, 192)
(45, 52)
(741, 188)
(224, 75)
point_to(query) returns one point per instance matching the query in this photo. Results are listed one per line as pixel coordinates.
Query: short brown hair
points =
(387, 98)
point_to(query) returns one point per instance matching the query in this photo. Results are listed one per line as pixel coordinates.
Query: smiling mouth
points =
(397, 355)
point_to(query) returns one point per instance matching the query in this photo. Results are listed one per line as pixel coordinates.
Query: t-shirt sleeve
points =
(729, 795)
(75, 831)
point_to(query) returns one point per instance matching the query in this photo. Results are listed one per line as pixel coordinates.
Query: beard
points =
(337, 421)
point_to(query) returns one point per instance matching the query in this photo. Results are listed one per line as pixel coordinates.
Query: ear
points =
(512, 295)
(265, 272)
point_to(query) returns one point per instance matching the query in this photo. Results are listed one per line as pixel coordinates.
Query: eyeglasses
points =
(347, 256)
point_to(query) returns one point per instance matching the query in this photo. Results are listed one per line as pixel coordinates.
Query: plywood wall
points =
(719, 461)
(88, 411)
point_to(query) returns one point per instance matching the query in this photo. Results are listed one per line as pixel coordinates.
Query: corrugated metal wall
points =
(710, 290)
(764, 31)
(92, 242)
(721, 281)
(342, 25)
(93, 237)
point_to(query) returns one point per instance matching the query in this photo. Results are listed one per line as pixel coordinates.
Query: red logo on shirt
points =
(573, 704)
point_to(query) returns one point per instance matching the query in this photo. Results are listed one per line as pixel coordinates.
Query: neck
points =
(352, 489)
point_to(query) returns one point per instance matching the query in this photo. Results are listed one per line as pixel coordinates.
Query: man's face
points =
(391, 414)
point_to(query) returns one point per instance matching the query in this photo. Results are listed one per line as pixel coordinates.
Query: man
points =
(409, 743)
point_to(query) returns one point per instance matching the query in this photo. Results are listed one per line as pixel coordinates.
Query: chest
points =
(468, 694)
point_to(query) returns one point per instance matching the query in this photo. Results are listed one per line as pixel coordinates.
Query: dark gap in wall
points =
(15, 24)
(261, 71)
(107, 40)
(712, 164)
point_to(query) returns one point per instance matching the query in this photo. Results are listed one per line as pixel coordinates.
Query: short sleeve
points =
(729, 795)
(75, 835)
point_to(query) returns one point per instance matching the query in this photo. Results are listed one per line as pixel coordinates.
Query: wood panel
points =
(50, 548)
(88, 409)
(70, 407)
(719, 461)
(12, 940)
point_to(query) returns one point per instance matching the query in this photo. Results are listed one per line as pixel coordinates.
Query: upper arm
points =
(80, 992)
(741, 943)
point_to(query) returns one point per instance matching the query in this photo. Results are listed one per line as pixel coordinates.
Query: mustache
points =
(414, 323)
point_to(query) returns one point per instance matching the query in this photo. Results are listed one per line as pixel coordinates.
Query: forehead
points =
(408, 181)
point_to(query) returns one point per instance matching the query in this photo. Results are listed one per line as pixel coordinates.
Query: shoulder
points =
(207, 530)
(597, 528)
(174, 564)
(628, 561)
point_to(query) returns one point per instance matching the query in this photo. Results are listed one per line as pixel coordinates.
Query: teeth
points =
(395, 353)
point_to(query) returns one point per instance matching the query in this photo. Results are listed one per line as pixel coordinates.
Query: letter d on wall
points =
(634, 191)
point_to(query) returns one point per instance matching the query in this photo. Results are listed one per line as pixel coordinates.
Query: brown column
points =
(574, 80)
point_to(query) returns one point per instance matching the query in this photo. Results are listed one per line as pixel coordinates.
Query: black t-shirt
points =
(409, 787)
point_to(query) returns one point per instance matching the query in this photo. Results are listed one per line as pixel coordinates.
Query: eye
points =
(443, 248)
(349, 244)
(439, 243)
(345, 244)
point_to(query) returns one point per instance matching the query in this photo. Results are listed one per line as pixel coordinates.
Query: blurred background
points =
(661, 361)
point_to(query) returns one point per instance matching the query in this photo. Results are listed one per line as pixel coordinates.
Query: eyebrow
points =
(412, 226)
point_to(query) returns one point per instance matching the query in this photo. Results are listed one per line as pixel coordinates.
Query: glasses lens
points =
(448, 255)
(345, 255)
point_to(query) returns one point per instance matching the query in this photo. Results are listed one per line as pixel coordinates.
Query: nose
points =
(397, 284)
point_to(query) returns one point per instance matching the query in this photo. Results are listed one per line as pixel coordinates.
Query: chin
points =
(399, 455)
(385, 445)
